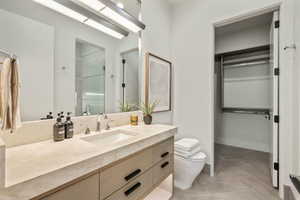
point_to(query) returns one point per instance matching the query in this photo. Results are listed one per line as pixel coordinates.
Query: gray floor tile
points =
(240, 174)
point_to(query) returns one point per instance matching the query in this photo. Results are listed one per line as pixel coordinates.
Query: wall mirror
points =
(73, 56)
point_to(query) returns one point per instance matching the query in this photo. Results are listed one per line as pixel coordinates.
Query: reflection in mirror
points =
(130, 81)
(67, 65)
(90, 79)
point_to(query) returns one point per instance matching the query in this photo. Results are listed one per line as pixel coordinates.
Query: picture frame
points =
(158, 82)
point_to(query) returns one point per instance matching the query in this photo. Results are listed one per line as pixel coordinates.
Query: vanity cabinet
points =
(162, 150)
(87, 188)
(136, 189)
(116, 176)
(162, 170)
(131, 178)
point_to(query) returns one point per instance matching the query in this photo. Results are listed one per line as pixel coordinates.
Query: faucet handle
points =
(87, 131)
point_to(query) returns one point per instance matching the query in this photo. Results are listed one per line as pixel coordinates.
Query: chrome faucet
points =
(98, 129)
(107, 126)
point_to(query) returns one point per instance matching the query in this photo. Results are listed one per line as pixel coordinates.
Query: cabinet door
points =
(136, 189)
(162, 150)
(87, 189)
(115, 177)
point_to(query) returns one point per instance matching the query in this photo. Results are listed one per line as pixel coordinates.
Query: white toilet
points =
(187, 169)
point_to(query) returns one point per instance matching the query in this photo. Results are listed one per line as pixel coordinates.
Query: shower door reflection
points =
(90, 79)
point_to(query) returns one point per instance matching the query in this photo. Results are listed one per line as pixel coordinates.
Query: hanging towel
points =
(10, 95)
(187, 144)
(187, 154)
(16, 89)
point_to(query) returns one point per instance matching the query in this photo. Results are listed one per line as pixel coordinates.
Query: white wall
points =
(192, 46)
(240, 130)
(37, 39)
(66, 32)
(156, 14)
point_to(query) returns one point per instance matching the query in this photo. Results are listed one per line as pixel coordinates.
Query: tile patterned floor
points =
(240, 174)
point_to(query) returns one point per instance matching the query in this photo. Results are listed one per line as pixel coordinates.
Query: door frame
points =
(219, 23)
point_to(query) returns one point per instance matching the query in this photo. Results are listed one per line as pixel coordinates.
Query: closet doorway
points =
(247, 98)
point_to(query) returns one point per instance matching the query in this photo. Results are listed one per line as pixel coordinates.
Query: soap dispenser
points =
(69, 127)
(62, 115)
(58, 130)
(49, 116)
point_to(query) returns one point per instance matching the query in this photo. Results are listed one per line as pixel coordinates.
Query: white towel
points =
(187, 154)
(187, 144)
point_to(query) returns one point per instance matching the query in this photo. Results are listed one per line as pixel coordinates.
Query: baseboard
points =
(242, 144)
(288, 194)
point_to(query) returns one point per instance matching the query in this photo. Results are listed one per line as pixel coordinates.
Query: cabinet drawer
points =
(162, 150)
(136, 189)
(85, 189)
(115, 177)
(163, 169)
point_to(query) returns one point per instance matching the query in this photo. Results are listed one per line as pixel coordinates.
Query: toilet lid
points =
(198, 156)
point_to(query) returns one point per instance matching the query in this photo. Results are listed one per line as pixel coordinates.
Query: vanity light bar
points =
(113, 12)
(83, 15)
(62, 9)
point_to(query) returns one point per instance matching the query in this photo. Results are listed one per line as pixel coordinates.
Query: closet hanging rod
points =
(245, 64)
(255, 111)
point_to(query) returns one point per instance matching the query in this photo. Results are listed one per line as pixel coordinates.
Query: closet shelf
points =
(254, 78)
(246, 64)
(255, 111)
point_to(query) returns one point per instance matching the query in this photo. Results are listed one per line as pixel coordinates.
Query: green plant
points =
(126, 107)
(148, 108)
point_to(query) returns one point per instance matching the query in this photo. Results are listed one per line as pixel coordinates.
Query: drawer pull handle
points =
(165, 154)
(133, 174)
(132, 189)
(164, 165)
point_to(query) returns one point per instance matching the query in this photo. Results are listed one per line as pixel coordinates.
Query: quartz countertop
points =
(34, 169)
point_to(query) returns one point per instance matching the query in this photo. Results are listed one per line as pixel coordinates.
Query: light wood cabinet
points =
(131, 178)
(162, 170)
(136, 189)
(85, 189)
(162, 150)
(118, 175)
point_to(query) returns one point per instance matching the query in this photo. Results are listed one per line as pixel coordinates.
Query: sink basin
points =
(111, 137)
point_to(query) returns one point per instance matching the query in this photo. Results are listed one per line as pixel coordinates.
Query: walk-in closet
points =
(246, 91)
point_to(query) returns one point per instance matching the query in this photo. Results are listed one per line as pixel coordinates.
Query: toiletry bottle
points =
(134, 120)
(69, 127)
(58, 130)
(62, 115)
(49, 116)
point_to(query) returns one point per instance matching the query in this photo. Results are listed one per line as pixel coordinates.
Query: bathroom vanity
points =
(126, 162)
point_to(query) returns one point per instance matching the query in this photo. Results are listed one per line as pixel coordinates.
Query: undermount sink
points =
(109, 137)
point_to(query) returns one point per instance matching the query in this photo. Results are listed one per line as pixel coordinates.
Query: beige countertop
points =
(34, 169)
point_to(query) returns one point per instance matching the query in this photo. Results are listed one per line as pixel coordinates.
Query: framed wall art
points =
(158, 84)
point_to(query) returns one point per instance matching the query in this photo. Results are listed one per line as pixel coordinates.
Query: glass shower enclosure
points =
(90, 79)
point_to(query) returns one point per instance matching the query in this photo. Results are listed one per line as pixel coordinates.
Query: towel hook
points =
(293, 46)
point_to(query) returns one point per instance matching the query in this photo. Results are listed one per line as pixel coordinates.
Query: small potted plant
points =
(125, 107)
(147, 109)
